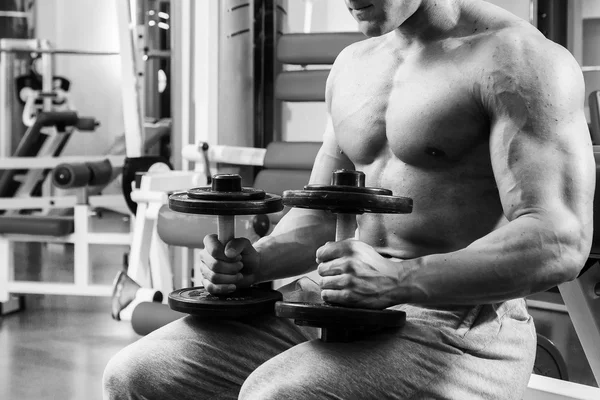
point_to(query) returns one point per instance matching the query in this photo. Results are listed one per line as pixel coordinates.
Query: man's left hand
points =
(355, 275)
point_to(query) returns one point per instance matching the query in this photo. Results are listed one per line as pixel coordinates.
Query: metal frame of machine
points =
(82, 237)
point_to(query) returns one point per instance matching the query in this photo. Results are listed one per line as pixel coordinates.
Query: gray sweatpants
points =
(475, 352)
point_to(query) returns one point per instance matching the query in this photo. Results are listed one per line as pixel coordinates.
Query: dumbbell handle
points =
(225, 228)
(345, 227)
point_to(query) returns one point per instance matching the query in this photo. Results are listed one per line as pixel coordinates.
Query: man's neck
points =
(433, 19)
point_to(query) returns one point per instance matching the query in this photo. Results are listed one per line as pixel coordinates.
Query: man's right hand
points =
(230, 267)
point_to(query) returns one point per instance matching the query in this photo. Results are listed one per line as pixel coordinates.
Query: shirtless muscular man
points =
(476, 116)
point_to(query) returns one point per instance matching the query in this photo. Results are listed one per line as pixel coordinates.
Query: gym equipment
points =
(21, 194)
(283, 165)
(347, 196)
(149, 261)
(148, 316)
(126, 291)
(29, 213)
(340, 324)
(67, 176)
(225, 198)
(132, 167)
(34, 144)
(548, 360)
(243, 303)
(308, 49)
(32, 82)
(31, 95)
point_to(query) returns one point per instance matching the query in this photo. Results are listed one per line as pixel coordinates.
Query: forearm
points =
(527, 255)
(290, 249)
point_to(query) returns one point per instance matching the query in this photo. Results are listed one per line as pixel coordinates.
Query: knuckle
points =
(347, 281)
(223, 279)
(221, 289)
(227, 268)
(208, 285)
(346, 296)
(348, 267)
(207, 274)
(212, 251)
(218, 267)
(213, 288)
(218, 279)
(209, 240)
(244, 242)
(204, 255)
(321, 269)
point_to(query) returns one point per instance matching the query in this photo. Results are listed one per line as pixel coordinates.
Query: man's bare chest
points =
(408, 108)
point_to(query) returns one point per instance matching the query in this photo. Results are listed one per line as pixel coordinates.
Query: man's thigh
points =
(483, 352)
(193, 358)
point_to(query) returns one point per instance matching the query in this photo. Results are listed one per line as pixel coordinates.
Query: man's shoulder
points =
(522, 45)
(349, 56)
(358, 50)
(520, 60)
(520, 56)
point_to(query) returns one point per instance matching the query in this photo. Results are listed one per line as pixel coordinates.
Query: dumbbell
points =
(347, 196)
(225, 198)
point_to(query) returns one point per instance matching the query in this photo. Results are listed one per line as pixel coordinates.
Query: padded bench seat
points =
(36, 225)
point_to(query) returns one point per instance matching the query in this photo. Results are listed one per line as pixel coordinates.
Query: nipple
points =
(432, 151)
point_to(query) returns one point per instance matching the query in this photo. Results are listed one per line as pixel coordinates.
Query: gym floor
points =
(58, 346)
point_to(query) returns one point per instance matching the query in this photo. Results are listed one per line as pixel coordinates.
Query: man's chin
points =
(370, 29)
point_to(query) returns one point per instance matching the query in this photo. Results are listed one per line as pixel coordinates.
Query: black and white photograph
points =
(299, 199)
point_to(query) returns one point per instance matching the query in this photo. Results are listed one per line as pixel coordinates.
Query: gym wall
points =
(96, 89)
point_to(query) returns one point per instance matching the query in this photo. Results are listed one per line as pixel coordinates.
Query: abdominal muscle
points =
(450, 211)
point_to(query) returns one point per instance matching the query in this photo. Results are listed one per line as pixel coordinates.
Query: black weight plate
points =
(181, 202)
(245, 302)
(206, 193)
(326, 315)
(548, 360)
(345, 202)
(350, 189)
